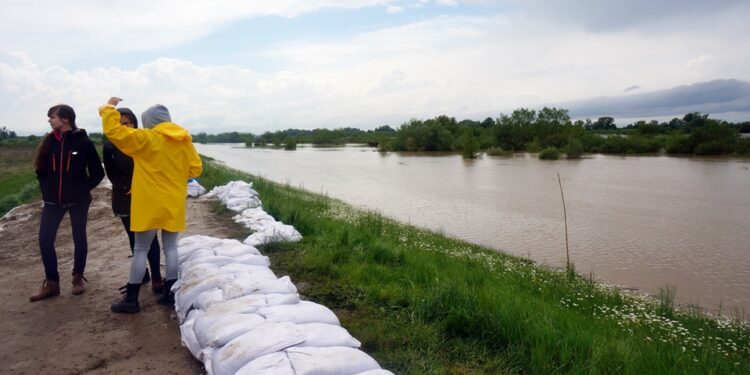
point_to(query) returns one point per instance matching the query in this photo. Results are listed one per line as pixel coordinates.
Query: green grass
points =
(18, 184)
(422, 303)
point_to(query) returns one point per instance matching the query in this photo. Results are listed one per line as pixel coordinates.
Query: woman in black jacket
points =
(119, 169)
(68, 168)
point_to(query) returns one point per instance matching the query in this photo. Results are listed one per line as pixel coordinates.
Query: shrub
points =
(549, 153)
(573, 149)
(497, 151)
(290, 145)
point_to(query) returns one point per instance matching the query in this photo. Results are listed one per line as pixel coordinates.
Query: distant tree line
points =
(522, 130)
(551, 129)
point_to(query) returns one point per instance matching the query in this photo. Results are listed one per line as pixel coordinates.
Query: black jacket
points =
(120, 172)
(70, 168)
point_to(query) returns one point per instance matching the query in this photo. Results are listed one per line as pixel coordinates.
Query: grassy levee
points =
(423, 303)
(18, 183)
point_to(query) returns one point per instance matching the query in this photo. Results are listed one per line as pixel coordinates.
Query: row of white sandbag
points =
(236, 195)
(238, 317)
(239, 196)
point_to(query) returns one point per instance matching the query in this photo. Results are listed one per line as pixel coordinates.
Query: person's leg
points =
(51, 217)
(50, 221)
(169, 242)
(129, 303)
(79, 214)
(157, 284)
(131, 240)
(138, 264)
(154, 258)
(131, 237)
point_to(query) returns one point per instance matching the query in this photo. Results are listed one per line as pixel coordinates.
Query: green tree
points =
(573, 149)
(470, 148)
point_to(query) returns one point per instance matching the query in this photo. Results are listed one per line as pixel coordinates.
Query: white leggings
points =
(140, 252)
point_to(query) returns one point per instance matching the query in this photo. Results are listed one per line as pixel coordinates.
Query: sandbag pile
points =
(236, 195)
(195, 189)
(237, 317)
(239, 196)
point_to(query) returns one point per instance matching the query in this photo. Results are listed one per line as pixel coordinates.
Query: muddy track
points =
(78, 334)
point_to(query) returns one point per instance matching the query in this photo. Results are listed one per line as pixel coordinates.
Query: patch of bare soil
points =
(78, 334)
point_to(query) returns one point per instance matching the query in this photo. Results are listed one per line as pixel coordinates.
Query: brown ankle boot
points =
(78, 287)
(49, 289)
(157, 285)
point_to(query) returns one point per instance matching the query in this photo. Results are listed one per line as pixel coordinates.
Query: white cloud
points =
(54, 31)
(460, 66)
(394, 9)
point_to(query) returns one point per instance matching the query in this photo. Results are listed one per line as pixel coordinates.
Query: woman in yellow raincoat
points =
(164, 158)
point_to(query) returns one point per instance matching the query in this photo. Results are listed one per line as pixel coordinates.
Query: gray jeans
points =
(140, 252)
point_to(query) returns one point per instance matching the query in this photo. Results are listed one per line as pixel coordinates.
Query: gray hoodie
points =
(155, 114)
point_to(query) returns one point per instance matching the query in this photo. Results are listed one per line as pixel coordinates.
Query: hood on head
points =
(156, 114)
(127, 112)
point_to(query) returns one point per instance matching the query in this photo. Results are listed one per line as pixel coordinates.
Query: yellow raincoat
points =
(164, 158)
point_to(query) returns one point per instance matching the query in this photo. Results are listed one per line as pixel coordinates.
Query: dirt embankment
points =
(78, 334)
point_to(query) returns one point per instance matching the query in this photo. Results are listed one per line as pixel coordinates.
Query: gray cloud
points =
(604, 16)
(712, 97)
(631, 88)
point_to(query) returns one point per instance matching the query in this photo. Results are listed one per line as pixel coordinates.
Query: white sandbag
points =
(243, 286)
(376, 372)
(278, 232)
(235, 250)
(252, 259)
(322, 335)
(254, 218)
(241, 203)
(187, 292)
(208, 298)
(300, 313)
(270, 364)
(197, 254)
(193, 244)
(190, 239)
(242, 305)
(189, 340)
(194, 189)
(335, 360)
(251, 303)
(220, 330)
(266, 338)
(262, 272)
(216, 260)
(221, 191)
(274, 299)
(196, 272)
(197, 242)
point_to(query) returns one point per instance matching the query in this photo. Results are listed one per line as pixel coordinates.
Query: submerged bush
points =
(549, 153)
(574, 149)
(497, 151)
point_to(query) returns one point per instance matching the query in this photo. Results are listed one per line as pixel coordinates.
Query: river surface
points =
(637, 222)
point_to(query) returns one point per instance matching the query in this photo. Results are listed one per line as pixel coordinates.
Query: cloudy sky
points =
(255, 66)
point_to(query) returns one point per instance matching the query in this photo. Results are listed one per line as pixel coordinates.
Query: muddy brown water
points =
(637, 222)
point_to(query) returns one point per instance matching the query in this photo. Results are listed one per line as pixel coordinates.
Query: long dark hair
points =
(62, 111)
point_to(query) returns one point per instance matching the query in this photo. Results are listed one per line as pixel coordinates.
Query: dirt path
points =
(78, 334)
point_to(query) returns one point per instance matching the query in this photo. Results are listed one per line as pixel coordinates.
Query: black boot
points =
(129, 303)
(168, 297)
